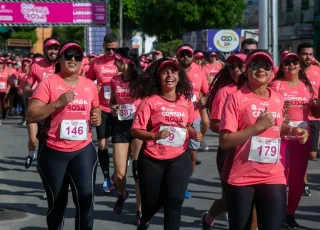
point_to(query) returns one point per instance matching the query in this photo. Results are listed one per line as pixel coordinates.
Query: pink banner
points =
(42, 13)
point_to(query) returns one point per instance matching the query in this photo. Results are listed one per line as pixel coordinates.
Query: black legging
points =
(163, 184)
(270, 201)
(57, 171)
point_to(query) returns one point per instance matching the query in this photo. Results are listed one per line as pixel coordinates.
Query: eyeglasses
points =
(109, 49)
(232, 67)
(247, 51)
(77, 57)
(288, 62)
(265, 65)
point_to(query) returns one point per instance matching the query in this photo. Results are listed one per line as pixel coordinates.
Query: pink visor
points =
(289, 55)
(51, 42)
(166, 63)
(69, 46)
(185, 48)
(238, 56)
(213, 54)
(257, 55)
(8, 61)
(125, 60)
(199, 55)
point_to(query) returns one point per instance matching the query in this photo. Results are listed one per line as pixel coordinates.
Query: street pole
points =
(263, 24)
(120, 23)
(275, 22)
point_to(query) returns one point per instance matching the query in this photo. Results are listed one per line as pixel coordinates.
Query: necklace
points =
(72, 84)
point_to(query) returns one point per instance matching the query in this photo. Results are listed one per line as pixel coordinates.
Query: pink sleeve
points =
(31, 79)
(95, 99)
(218, 104)
(191, 112)
(42, 92)
(142, 116)
(230, 115)
(275, 86)
(91, 74)
(205, 84)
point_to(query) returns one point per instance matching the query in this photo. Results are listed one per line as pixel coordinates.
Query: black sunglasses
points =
(247, 51)
(232, 67)
(185, 53)
(78, 57)
(109, 49)
(265, 65)
(288, 62)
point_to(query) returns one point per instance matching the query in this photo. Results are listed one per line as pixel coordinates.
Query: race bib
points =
(300, 124)
(194, 98)
(264, 150)
(126, 112)
(107, 92)
(74, 130)
(176, 137)
(2, 85)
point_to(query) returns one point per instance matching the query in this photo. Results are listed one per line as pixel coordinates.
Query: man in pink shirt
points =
(102, 69)
(305, 52)
(200, 88)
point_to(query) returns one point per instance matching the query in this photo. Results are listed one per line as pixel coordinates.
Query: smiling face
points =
(185, 58)
(70, 61)
(291, 67)
(236, 68)
(169, 78)
(51, 52)
(259, 72)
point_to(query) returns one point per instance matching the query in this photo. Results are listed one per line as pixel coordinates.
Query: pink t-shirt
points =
(40, 70)
(214, 68)
(22, 80)
(4, 81)
(199, 83)
(241, 111)
(103, 70)
(72, 121)
(298, 96)
(156, 113)
(313, 74)
(219, 101)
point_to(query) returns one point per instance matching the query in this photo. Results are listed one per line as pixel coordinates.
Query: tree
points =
(169, 19)
(29, 35)
(168, 48)
(70, 33)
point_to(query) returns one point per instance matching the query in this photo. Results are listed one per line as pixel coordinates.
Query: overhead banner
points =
(53, 13)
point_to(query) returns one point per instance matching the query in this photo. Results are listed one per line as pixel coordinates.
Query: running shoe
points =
(306, 190)
(143, 226)
(198, 162)
(44, 196)
(118, 206)
(23, 123)
(291, 223)
(28, 162)
(187, 195)
(138, 218)
(204, 225)
(107, 186)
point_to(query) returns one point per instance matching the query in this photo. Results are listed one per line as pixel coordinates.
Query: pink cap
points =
(213, 54)
(156, 52)
(69, 46)
(51, 42)
(289, 55)
(199, 55)
(8, 61)
(123, 59)
(168, 62)
(238, 56)
(188, 48)
(257, 55)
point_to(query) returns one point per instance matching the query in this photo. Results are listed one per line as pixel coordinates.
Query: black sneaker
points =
(138, 218)
(29, 160)
(291, 223)
(204, 225)
(306, 190)
(198, 162)
(118, 206)
(143, 225)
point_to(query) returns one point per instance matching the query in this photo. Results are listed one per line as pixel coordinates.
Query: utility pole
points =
(263, 24)
(275, 37)
(120, 23)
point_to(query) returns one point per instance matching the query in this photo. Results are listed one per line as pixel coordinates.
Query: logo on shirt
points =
(257, 111)
(86, 89)
(60, 88)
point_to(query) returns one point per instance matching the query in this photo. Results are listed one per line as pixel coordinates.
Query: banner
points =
(224, 40)
(62, 13)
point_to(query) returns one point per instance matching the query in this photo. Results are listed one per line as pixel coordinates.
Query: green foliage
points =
(72, 33)
(168, 48)
(30, 35)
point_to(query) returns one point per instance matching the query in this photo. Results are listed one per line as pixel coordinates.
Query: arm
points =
(27, 91)
(214, 125)
(91, 73)
(205, 120)
(209, 78)
(39, 110)
(143, 134)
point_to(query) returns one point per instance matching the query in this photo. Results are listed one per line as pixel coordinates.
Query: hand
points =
(65, 99)
(115, 110)
(162, 135)
(301, 134)
(99, 88)
(265, 120)
(197, 136)
(95, 119)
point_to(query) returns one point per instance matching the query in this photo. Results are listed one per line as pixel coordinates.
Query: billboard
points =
(25, 13)
(95, 35)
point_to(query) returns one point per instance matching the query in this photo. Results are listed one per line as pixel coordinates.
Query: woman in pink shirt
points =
(250, 128)
(4, 89)
(123, 108)
(164, 122)
(67, 103)
(292, 82)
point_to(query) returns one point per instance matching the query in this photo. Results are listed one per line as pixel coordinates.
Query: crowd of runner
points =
(157, 111)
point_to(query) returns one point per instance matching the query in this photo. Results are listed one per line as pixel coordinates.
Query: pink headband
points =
(185, 48)
(70, 45)
(288, 55)
(168, 62)
(255, 56)
(51, 42)
(125, 60)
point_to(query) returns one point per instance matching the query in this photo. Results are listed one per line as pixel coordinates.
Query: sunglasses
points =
(247, 51)
(256, 65)
(288, 62)
(109, 49)
(77, 57)
(184, 53)
(232, 67)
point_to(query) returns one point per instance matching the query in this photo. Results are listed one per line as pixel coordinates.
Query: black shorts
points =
(314, 135)
(220, 160)
(13, 91)
(105, 129)
(121, 132)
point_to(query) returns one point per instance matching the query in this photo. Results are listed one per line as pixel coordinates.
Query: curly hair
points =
(149, 84)
(302, 77)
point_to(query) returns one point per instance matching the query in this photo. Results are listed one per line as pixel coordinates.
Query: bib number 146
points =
(74, 130)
